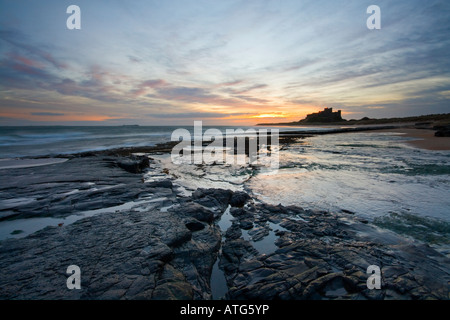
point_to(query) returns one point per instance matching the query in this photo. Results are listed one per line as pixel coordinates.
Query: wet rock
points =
(176, 235)
(172, 285)
(259, 232)
(239, 212)
(196, 259)
(61, 189)
(122, 255)
(325, 258)
(161, 184)
(234, 232)
(239, 198)
(246, 224)
(219, 198)
(234, 252)
(196, 211)
(135, 164)
(169, 254)
(245, 217)
(442, 131)
(195, 226)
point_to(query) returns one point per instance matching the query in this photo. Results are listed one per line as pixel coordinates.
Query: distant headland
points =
(330, 117)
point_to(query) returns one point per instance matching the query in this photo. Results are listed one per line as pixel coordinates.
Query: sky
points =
(224, 62)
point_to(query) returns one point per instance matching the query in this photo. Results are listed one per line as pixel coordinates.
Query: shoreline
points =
(430, 118)
(213, 233)
(313, 254)
(423, 138)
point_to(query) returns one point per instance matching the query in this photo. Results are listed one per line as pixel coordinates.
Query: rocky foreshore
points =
(164, 243)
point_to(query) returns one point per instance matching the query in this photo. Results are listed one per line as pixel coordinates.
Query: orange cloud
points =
(53, 116)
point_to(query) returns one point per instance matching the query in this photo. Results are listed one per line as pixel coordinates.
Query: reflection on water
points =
(266, 244)
(22, 227)
(218, 282)
(370, 174)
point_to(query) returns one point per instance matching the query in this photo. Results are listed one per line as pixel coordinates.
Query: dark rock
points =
(259, 232)
(213, 197)
(176, 235)
(65, 188)
(169, 254)
(172, 285)
(160, 184)
(122, 255)
(196, 211)
(195, 226)
(233, 252)
(234, 232)
(238, 212)
(246, 224)
(329, 266)
(442, 131)
(173, 291)
(136, 165)
(239, 198)
(423, 125)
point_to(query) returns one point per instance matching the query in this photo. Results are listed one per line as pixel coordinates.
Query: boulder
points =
(213, 197)
(239, 198)
(197, 211)
(160, 184)
(134, 165)
(442, 131)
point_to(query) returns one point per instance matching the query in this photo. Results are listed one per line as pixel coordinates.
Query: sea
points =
(374, 175)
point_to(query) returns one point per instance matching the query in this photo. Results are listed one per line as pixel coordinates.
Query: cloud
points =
(248, 88)
(252, 99)
(303, 101)
(122, 120)
(195, 115)
(19, 72)
(26, 66)
(206, 96)
(376, 107)
(21, 43)
(22, 73)
(93, 88)
(134, 59)
(187, 94)
(232, 83)
(49, 114)
(142, 87)
(233, 57)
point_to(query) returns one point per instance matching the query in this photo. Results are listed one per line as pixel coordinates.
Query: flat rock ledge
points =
(323, 255)
(167, 249)
(154, 254)
(161, 254)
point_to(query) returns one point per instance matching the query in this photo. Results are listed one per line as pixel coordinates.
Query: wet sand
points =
(423, 138)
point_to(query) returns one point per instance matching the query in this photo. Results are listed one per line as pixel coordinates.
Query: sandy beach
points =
(423, 138)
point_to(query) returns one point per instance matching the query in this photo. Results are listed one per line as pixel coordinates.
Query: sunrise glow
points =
(221, 62)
